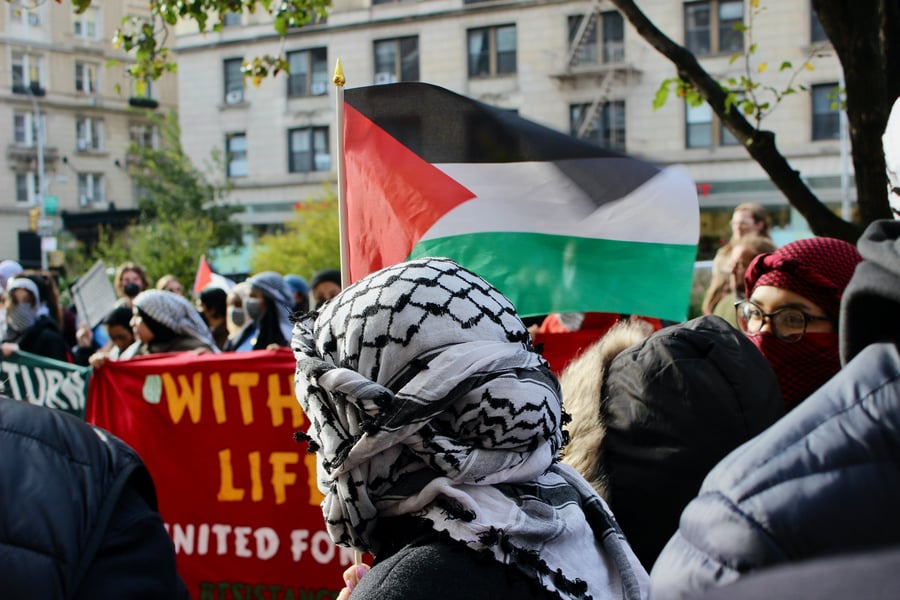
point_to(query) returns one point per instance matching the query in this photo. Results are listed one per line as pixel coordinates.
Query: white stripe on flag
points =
(538, 197)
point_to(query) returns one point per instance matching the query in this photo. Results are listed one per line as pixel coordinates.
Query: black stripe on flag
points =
(443, 127)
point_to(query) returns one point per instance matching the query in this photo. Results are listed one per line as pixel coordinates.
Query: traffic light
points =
(33, 215)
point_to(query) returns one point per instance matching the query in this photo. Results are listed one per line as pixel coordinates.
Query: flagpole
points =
(339, 82)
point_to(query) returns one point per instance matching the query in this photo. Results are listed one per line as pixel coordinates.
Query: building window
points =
(234, 81)
(22, 12)
(611, 48)
(24, 132)
(143, 136)
(27, 73)
(88, 134)
(397, 60)
(87, 25)
(602, 125)
(86, 77)
(816, 32)
(236, 154)
(309, 73)
(705, 129)
(492, 51)
(709, 27)
(308, 149)
(826, 117)
(27, 191)
(90, 189)
(231, 19)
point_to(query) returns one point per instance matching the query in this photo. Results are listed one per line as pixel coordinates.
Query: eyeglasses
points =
(787, 324)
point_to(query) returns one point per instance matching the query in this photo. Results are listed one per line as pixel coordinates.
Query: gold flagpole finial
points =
(339, 74)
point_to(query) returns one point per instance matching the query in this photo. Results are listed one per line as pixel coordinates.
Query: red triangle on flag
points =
(393, 196)
(204, 276)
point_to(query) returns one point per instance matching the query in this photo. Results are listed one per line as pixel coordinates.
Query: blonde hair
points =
(759, 214)
(581, 382)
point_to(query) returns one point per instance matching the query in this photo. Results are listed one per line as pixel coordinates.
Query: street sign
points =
(46, 227)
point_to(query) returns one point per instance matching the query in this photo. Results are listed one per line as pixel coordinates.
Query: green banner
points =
(44, 381)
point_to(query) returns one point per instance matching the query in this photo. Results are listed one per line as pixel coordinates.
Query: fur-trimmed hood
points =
(665, 411)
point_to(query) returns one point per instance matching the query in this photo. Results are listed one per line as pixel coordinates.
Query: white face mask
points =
(19, 318)
(236, 315)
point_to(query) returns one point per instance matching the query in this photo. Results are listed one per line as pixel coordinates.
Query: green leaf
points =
(662, 94)
(753, 48)
(785, 65)
(740, 27)
(734, 57)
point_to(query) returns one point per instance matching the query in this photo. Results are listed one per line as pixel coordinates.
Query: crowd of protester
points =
(752, 457)
(224, 317)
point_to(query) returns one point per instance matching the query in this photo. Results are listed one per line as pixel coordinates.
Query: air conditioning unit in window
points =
(234, 97)
(81, 145)
(381, 78)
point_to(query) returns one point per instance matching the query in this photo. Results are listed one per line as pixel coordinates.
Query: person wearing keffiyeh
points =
(167, 322)
(437, 429)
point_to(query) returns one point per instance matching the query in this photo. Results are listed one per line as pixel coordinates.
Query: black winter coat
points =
(79, 517)
(44, 339)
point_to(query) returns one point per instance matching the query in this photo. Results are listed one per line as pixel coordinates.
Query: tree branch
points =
(759, 144)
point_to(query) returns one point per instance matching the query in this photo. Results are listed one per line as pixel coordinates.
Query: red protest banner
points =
(237, 494)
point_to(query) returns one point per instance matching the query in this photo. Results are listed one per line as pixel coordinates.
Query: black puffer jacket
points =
(78, 516)
(673, 406)
(825, 479)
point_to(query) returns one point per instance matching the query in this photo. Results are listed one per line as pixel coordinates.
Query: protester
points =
(166, 322)
(129, 281)
(299, 291)
(437, 428)
(792, 311)
(8, 270)
(79, 516)
(235, 315)
(212, 306)
(747, 219)
(325, 285)
(650, 420)
(120, 333)
(742, 254)
(170, 283)
(26, 328)
(268, 309)
(824, 481)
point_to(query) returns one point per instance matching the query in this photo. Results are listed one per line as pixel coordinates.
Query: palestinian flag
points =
(556, 223)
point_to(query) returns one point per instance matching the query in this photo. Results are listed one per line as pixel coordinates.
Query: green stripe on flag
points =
(543, 273)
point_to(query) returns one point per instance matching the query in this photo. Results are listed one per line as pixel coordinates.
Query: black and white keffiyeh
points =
(425, 398)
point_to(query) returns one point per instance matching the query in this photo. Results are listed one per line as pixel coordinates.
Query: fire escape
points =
(596, 63)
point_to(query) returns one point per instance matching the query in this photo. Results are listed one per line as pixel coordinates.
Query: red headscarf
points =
(816, 268)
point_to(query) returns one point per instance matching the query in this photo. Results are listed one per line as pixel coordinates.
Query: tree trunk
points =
(759, 144)
(863, 33)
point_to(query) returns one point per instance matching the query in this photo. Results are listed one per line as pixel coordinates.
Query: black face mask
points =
(131, 289)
